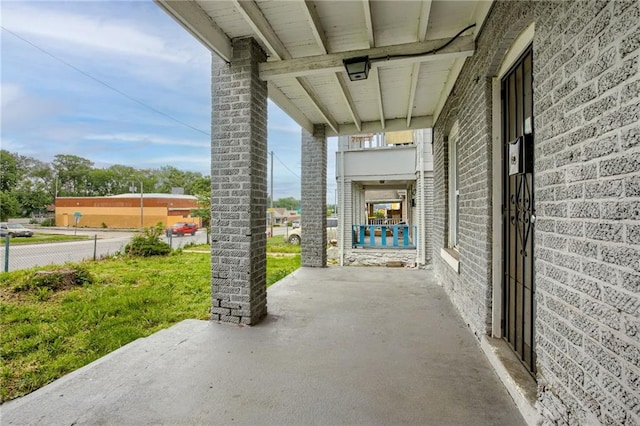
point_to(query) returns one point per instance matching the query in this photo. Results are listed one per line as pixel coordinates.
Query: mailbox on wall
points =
(521, 155)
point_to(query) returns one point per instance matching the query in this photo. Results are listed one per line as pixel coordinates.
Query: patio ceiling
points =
(413, 65)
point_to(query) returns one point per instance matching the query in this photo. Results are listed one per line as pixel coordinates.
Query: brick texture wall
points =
(588, 167)
(314, 198)
(239, 187)
(587, 174)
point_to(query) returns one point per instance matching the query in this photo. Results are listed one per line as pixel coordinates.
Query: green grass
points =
(47, 333)
(279, 267)
(38, 238)
(279, 245)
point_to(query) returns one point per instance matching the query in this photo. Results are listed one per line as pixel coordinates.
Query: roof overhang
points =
(416, 51)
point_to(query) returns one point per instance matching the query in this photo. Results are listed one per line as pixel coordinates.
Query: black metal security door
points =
(518, 210)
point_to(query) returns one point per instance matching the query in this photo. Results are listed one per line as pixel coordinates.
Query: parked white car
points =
(14, 230)
(295, 235)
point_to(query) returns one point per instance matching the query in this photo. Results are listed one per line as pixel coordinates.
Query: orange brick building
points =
(126, 210)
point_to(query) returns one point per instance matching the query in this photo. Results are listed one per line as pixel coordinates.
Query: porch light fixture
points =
(357, 68)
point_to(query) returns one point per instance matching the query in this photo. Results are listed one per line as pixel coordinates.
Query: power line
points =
(86, 74)
(286, 167)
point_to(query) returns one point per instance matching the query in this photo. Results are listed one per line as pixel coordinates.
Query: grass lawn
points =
(39, 238)
(47, 333)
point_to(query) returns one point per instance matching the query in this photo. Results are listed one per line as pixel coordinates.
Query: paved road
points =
(30, 255)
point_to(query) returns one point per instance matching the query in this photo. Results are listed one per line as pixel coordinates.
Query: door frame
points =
(520, 44)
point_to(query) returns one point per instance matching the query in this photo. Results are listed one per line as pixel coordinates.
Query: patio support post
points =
(239, 186)
(314, 198)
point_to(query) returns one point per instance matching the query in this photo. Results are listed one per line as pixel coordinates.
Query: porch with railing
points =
(384, 235)
(379, 140)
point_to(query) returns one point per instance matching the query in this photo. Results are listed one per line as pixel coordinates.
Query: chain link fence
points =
(21, 253)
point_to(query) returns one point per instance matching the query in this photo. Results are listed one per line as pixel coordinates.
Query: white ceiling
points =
(306, 42)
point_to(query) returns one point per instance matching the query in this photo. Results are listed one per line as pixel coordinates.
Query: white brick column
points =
(239, 187)
(314, 198)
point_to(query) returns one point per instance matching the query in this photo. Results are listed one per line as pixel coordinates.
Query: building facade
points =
(536, 200)
(385, 198)
(126, 210)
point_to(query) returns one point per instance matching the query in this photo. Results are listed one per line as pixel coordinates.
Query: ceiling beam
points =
(346, 96)
(314, 99)
(261, 27)
(285, 104)
(368, 22)
(332, 62)
(196, 21)
(423, 24)
(321, 40)
(415, 71)
(456, 68)
(396, 124)
(376, 81)
(316, 26)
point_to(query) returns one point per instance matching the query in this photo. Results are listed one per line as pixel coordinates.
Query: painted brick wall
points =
(239, 186)
(587, 112)
(314, 198)
(587, 101)
(429, 209)
(469, 103)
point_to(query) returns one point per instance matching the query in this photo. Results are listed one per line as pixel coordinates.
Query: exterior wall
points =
(393, 163)
(424, 193)
(314, 198)
(428, 216)
(587, 174)
(120, 212)
(239, 187)
(115, 217)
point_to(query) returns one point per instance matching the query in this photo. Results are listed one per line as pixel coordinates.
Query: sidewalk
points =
(339, 346)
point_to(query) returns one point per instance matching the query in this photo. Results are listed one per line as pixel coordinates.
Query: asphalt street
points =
(108, 242)
(25, 256)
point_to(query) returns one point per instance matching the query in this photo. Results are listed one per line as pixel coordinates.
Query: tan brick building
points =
(126, 210)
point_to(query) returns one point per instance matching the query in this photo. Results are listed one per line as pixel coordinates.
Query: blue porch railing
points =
(402, 236)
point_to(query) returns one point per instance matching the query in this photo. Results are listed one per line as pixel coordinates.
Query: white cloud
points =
(20, 108)
(88, 31)
(188, 159)
(147, 139)
(12, 146)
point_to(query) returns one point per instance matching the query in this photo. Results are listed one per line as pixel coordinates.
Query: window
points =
(454, 192)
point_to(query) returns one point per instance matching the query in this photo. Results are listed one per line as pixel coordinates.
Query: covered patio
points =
(380, 346)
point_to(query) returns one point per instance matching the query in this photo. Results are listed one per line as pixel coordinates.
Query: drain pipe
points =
(342, 240)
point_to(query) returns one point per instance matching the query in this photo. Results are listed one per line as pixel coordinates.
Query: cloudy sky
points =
(118, 82)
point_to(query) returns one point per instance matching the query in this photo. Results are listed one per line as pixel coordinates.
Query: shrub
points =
(48, 222)
(148, 243)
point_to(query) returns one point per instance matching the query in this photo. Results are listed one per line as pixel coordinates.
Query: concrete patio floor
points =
(339, 346)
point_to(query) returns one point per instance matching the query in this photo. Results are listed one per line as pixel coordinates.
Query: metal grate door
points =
(518, 211)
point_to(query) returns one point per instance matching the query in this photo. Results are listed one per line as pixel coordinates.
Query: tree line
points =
(28, 185)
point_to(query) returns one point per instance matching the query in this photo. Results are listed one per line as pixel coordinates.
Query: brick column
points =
(314, 198)
(239, 187)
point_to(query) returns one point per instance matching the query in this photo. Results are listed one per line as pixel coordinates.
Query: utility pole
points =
(271, 204)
